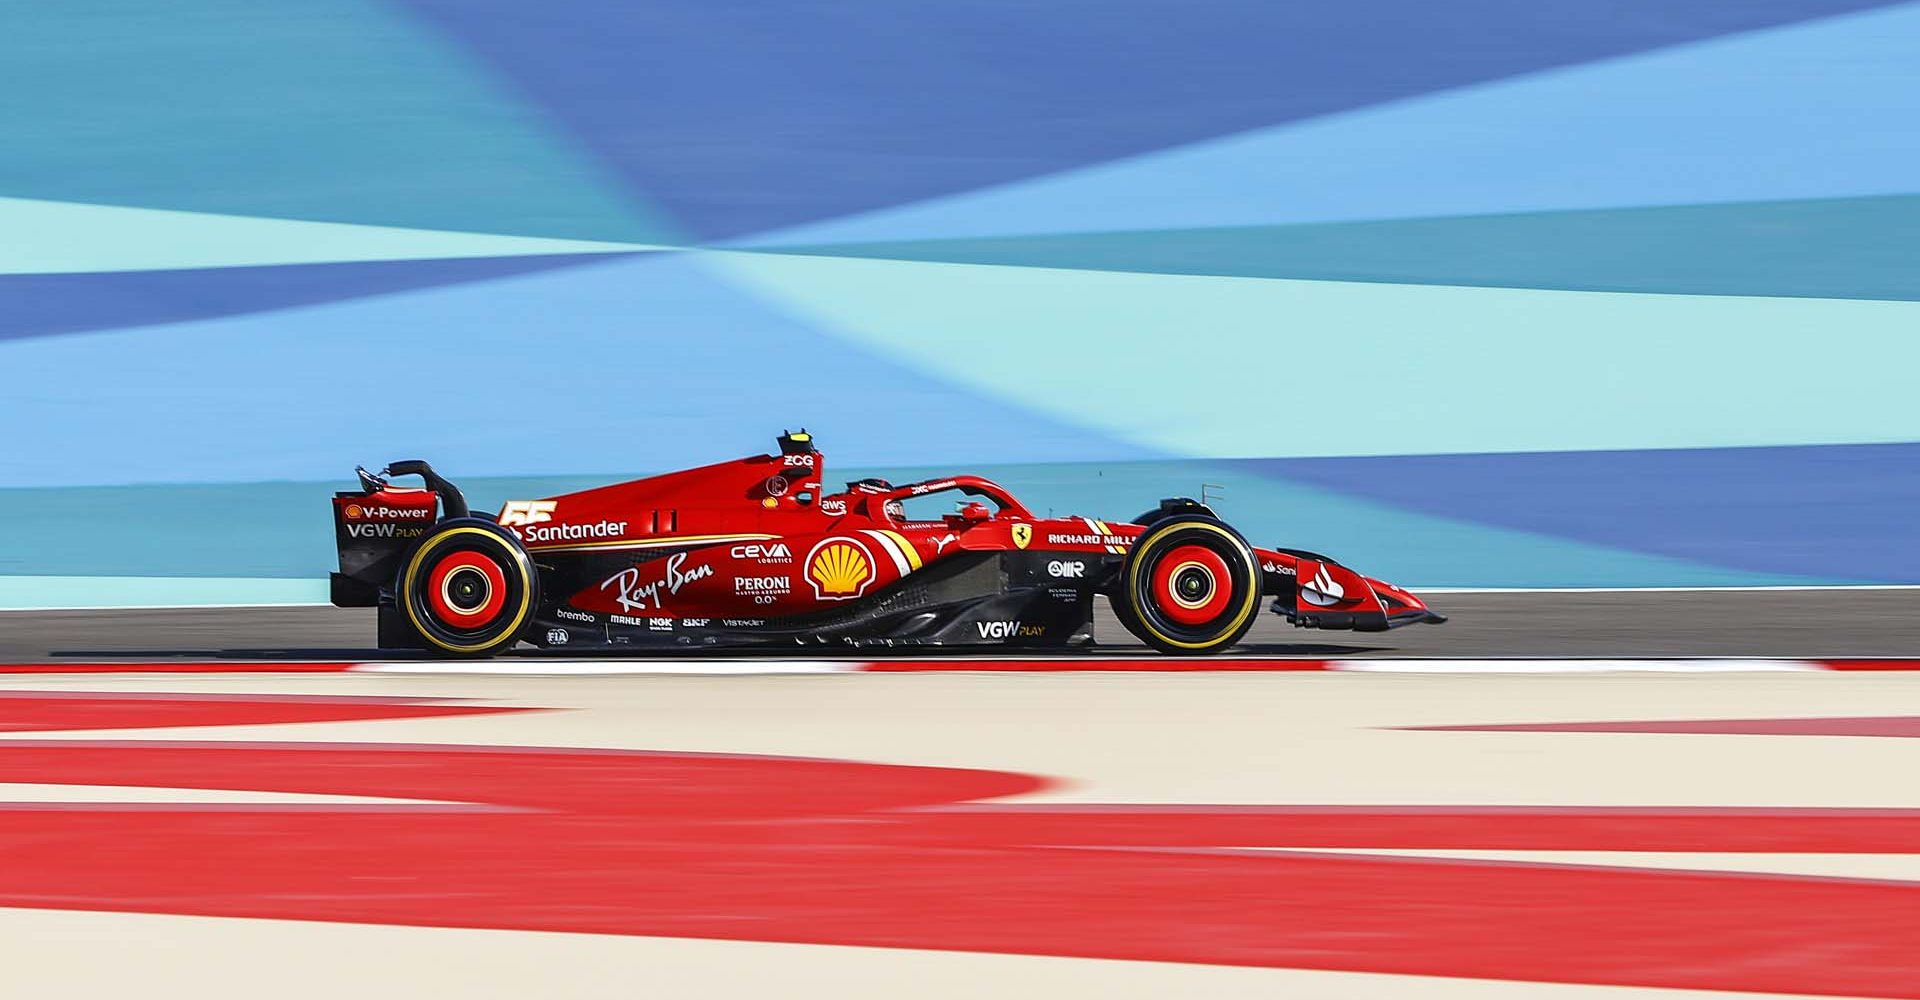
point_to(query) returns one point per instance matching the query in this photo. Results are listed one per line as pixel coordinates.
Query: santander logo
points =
(1323, 590)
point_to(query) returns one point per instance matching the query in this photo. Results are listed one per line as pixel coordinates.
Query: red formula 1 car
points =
(755, 552)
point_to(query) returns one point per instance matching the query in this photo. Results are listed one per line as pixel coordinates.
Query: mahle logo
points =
(527, 511)
(839, 569)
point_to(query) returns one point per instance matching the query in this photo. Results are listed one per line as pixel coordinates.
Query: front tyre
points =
(468, 588)
(1190, 585)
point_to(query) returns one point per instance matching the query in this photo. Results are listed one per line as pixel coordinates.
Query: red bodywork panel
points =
(758, 537)
(391, 505)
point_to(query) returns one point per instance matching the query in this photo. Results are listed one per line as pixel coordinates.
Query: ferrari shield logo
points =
(1022, 534)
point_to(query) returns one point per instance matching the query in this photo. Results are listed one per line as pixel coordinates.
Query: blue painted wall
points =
(1500, 292)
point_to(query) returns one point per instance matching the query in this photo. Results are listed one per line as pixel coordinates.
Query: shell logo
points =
(354, 513)
(840, 569)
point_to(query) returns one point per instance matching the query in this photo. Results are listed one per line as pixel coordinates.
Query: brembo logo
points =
(527, 512)
(840, 569)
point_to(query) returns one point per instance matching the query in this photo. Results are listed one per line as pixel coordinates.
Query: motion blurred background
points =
(1483, 293)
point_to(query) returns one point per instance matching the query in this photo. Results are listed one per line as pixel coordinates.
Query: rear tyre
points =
(1190, 586)
(1124, 612)
(467, 589)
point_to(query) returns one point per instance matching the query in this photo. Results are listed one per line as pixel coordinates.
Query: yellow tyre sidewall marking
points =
(1133, 585)
(419, 558)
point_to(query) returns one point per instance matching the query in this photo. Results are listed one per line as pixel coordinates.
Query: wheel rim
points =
(1192, 585)
(466, 590)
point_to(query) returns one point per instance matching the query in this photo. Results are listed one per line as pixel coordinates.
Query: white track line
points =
(1709, 666)
(711, 668)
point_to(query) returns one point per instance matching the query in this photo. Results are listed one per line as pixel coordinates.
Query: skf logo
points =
(1022, 535)
(840, 569)
(527, 511)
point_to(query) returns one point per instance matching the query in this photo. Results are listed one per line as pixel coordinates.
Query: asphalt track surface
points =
(1349, 836)
(1783, 623)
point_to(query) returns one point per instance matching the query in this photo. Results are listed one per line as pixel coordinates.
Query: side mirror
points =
(975, 512)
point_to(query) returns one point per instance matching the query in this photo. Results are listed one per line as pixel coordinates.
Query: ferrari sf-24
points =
(756, 552)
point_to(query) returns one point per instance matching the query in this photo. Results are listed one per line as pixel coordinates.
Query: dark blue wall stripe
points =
(37, 305)
(744, 115)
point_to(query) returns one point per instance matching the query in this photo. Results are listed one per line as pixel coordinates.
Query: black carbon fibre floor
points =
(1793, 623)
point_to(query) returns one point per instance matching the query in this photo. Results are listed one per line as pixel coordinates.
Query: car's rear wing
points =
(374, 526)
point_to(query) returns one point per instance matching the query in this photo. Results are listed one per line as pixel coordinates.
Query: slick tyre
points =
(1190, 586)
(467, 588)
(1123, 610)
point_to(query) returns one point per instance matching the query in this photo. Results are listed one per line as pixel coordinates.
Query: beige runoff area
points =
(1102, 737)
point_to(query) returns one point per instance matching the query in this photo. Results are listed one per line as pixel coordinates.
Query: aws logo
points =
(840, 569)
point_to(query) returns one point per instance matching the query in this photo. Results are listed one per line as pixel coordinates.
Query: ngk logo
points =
(527, 511)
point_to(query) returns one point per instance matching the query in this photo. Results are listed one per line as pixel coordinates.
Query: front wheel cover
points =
(1192, 585)
(468, 588)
